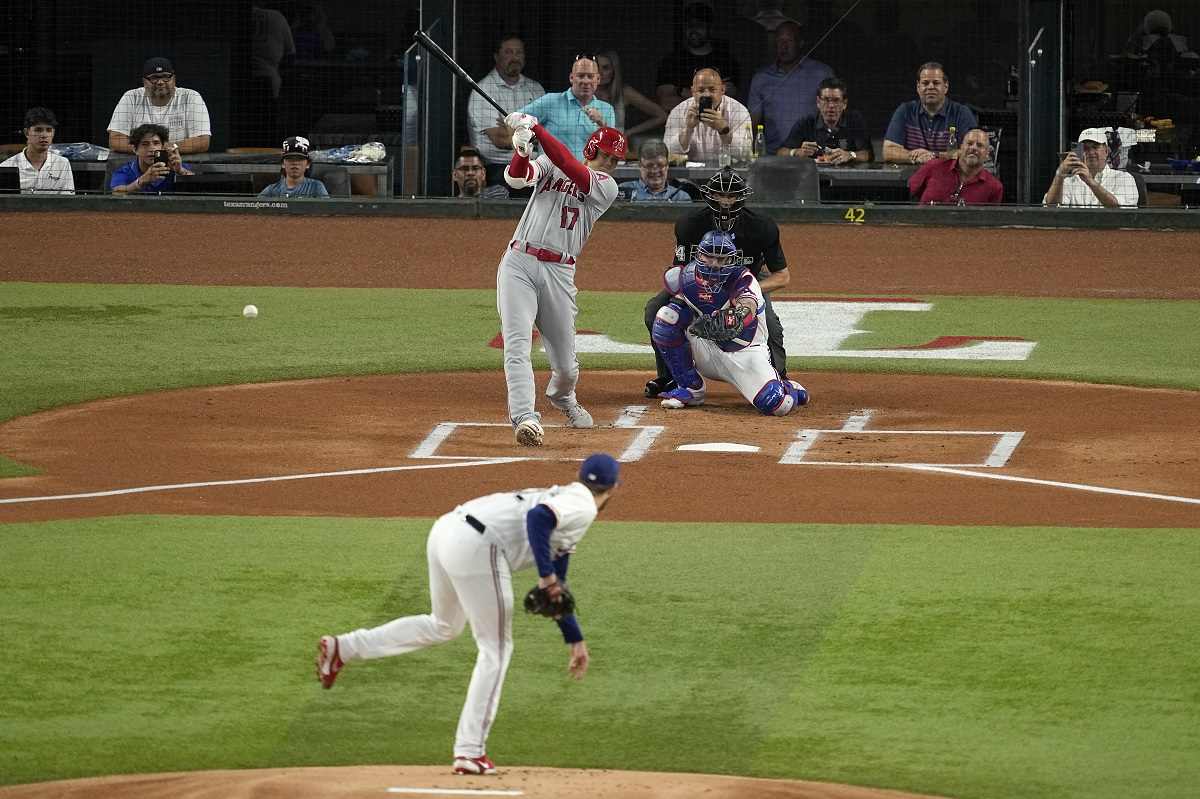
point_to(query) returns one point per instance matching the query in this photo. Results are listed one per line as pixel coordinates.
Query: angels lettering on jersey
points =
(560, 215)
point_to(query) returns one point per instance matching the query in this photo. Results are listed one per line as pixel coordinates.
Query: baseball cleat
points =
(679, 397)
(329, 661)
(474, 765)
(659, 385)
(800, 392)
(529, 433)
(577, 415)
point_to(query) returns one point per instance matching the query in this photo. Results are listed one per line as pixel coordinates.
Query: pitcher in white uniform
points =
(535, 282)
(473, 551)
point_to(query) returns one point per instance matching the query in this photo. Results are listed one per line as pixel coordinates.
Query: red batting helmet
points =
(610, 140)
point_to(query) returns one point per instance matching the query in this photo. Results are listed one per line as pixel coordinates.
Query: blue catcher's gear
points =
(780, 397)
(716, 259)
(670, 341)
(726, 193)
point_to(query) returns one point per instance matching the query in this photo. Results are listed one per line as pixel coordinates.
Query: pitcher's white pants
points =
(469, 581)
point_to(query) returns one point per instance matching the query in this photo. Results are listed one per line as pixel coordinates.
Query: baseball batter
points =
(535, 283)
(714, 327)
(472, 553)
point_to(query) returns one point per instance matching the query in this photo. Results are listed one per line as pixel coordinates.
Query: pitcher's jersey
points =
(559, 216)
(503, 516)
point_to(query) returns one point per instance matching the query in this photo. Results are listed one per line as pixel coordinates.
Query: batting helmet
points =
(716, 257)
(610, 140)
(727, 185)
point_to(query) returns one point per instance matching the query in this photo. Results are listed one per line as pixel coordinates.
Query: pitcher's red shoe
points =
(474, 765)
(329, 662)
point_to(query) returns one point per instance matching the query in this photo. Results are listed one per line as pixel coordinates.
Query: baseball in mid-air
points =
(250, 311)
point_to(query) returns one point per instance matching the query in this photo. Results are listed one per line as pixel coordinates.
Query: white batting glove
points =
(522, 140)
(517, 120)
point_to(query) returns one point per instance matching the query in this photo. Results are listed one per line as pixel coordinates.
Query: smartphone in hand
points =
(704, 103)
(162, 157)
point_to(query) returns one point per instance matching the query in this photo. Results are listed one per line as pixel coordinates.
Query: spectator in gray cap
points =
(159, 102)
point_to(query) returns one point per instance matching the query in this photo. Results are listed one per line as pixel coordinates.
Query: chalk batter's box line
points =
(998, 457)
(641, 444)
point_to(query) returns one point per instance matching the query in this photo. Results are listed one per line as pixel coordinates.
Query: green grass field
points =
(971, 662)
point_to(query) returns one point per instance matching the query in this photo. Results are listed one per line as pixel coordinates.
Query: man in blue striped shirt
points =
(920, 129)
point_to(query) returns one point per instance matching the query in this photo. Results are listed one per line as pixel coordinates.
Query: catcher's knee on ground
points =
(780, 397)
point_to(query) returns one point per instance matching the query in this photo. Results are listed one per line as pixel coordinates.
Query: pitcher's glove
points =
(724, 325)
(539, 601)
(522, 140)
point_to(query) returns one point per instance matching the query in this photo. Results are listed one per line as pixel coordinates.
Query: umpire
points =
(757, 239)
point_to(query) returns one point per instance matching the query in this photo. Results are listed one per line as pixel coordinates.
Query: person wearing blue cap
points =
(473, 551)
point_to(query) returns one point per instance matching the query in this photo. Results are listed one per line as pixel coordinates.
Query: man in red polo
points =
(958, 181)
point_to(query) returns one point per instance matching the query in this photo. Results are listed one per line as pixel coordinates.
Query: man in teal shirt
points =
(574, 115)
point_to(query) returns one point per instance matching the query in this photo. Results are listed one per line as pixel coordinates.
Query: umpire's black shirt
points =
(755, 235)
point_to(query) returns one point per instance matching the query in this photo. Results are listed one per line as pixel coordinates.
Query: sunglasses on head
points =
(588, 56)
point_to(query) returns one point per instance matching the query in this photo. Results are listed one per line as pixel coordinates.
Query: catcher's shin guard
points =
(674, 347)
(780, 397)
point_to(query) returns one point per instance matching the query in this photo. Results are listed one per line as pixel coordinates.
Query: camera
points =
(704, 103)
(823, 150)
(162, 157)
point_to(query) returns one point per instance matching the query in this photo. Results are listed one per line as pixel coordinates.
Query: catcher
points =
(714, 327)
(472, 553)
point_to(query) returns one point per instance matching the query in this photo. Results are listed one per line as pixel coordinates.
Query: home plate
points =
(718, 446)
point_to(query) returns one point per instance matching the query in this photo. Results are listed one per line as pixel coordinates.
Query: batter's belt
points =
(541, 254)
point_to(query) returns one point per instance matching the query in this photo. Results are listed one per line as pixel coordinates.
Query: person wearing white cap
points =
(1090, 181)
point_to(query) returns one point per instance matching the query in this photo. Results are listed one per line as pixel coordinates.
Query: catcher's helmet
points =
(729, 185)
(610, 140)
(716, 258)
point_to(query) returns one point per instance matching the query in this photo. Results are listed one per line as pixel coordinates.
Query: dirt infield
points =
(869, 449)
(369, 782)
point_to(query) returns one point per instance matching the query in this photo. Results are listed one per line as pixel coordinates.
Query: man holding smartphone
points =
(154, 166)
(1090, 181)
(699, 128)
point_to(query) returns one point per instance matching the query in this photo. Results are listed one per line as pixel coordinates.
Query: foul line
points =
(250, 480)
(920, 467)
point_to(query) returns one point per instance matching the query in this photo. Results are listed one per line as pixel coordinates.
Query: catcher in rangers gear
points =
(712, 327)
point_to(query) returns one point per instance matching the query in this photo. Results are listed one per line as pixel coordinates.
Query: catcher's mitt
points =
(538, 601)
(724, 325)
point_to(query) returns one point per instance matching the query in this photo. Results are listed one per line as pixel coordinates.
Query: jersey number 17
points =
(571, 211)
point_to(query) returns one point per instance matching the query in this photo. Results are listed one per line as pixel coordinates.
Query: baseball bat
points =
(432, 46)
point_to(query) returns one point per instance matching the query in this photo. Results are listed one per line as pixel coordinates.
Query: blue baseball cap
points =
(599, 471)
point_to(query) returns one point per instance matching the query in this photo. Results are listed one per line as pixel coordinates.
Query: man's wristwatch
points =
(723, 131)
(853, 155)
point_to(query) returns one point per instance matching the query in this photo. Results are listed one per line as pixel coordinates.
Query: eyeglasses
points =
(160, 78)
(831, 100)
(956, 197)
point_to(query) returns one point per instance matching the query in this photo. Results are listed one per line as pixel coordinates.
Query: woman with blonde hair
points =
(612, 89)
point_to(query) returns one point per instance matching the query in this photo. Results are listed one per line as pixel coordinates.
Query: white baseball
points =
(250, 311)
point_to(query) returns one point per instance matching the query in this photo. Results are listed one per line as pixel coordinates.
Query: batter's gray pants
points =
(531, 292)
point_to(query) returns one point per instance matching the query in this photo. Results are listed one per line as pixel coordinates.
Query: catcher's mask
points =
(716, 259)
(725, 193)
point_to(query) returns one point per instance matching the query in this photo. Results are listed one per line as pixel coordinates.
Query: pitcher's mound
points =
(417, 781)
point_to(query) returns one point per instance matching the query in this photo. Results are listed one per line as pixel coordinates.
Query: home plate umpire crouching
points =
(757, 239)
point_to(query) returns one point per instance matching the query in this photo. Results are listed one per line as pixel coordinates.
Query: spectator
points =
(574, 115)
(612, 90)
(677, 69)
(1091, 181)
(271, 42)
(511, 89)
(920, 129)
(702, 134)
(779, 94)
(963, 181)
(834, 135)
(154, 166)
(653, 184)
(41, 171)
(310, 30)
(470, 177)
(295, 182)
(181, 111)
(1149, 37)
